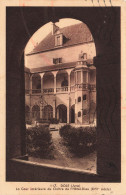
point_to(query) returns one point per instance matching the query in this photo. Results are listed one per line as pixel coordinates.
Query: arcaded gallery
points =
(61, 81)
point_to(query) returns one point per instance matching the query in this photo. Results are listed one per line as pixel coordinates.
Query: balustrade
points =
(82, 86)
(72, 88)
(36, 91)
(62, 89)
(85, 86)
(49, 90)
(92, 87)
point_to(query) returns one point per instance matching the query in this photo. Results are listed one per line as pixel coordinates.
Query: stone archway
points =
(61, 111)
(36, 83)
(48, 112)
(104, 24)
(36, 112)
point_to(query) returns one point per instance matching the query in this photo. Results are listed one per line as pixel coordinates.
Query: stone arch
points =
(107, 41)
(48, 112)
(36, 112)
(36, 83)
(48, 82)
(62, 79)
(61, 112)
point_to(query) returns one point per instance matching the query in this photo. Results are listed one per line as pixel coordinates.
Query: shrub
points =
(39, 142)
(80, 141)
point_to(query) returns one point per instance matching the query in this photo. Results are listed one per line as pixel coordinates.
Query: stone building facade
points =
(61, 80)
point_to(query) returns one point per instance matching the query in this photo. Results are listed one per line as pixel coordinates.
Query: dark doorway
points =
(62, 113)
(73, 114)
(48, 112)
(35, 112)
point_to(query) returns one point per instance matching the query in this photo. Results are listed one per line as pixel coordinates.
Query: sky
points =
(42, 32)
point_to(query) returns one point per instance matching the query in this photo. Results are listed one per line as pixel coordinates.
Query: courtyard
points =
(65, 159)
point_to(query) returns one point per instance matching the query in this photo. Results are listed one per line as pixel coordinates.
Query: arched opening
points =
(35, 112)
(62, 113)
(73, 113)
(108, 71)
(62, 81)
(48, 82)
(36, 83)
(48, 112)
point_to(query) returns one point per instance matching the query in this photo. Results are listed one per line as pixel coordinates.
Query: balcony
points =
(91, 87)
(82, 86)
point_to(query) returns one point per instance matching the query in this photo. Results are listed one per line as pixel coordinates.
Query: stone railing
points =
(72, 88)
(92, 87)
(36, 91)
(82, 86)
(62, 89)
(49, 90)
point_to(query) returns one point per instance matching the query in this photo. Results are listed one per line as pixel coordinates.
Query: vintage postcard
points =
(63, 97)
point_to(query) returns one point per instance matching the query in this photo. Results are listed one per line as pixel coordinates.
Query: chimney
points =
(54, 28)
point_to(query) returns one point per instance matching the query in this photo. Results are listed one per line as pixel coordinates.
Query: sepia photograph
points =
(62, 97)
(63, 94)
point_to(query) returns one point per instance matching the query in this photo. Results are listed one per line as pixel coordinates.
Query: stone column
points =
(68, 82)
(76, 111)
(31, 84)
(87, 79)
(81, 76)
(55, 73)
(41, 75)
(54, 107)
(68, 109)
(69, 72)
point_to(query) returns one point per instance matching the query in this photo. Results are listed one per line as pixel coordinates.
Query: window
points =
(58, 40)
(60, 60)
(79, 99)
(57, 60)
(79, 114)
(84, 97)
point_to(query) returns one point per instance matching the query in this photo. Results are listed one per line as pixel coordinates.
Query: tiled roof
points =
(54, 67)
(74, 34)
(58, 67)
